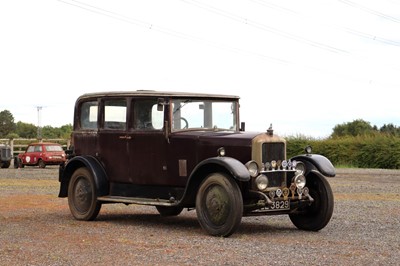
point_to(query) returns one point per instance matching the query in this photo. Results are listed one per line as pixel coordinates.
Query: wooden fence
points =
(19, 145)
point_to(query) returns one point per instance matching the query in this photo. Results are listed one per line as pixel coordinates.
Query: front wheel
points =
(82, 195)
(219, 205)
(17, 162)
(318, 214)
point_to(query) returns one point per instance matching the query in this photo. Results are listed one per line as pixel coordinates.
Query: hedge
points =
(376, 151)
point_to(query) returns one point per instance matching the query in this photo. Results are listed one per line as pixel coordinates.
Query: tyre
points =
(318, 214)
(82, 195)
(4, 164)
(41, 164)
(169, 211)
(219, 205)
(17, 163)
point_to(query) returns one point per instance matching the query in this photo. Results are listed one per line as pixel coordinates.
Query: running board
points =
(140, 201)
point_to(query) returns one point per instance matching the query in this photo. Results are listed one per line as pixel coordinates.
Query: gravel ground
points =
(36, 228)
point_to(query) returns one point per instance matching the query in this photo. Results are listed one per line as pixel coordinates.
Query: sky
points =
(302, 66)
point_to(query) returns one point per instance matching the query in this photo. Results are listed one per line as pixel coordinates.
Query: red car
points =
(41, 154)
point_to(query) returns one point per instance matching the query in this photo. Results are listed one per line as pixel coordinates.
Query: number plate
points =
(279, 205)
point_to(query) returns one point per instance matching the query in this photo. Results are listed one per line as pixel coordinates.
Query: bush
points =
(368, 151)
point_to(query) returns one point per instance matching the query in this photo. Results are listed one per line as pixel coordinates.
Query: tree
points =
(6, 123)
(25, 130)
(49, 132)
(66, 131)
(390, 129)
(355, 128)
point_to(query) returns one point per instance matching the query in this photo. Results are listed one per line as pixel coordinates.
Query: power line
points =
(274, 6)
(347, 30)
(150, 26)
(263, 27)
(371, 11)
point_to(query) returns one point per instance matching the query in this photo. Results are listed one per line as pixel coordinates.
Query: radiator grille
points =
(5, 153)
(273, 151)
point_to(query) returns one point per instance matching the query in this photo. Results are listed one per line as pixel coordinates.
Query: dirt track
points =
(36, 228)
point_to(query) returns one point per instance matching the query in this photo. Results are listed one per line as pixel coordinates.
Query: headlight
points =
(262, 182)
(308, 149)
(300, 181)
(300, 167)
(252, 166)
(221, 152)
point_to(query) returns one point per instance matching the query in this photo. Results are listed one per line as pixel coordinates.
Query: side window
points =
(88, 115)
(30, 149)
(115, 114)
(146, 116)
(38, 148)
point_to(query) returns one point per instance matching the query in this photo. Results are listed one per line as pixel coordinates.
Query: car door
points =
(29, 156)
(113, 139)
(147, 144)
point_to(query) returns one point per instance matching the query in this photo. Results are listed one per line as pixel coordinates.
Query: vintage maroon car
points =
(41, 154)
(176, 150)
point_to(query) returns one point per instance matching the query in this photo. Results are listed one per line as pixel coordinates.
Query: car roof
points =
(157, 94)
(44, 143)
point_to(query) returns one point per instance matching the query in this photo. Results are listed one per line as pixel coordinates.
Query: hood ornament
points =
(270, 131)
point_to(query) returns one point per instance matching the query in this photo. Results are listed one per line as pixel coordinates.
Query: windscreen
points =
(204, 114)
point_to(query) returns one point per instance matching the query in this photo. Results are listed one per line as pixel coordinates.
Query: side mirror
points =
(242, 126)
(160, 104)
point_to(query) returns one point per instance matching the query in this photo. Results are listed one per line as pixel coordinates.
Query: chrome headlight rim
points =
(300, 167)
(261, 182)
(252, 167)
(308, 149)
(221, 152)
(300, 181)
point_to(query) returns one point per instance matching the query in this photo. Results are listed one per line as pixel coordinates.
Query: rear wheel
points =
(219, 205)
(82, 196)
(4, 164)
(169, 211)
(318, 214)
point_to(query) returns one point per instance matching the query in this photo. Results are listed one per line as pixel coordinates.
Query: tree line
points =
(360, 127)
(11, 130)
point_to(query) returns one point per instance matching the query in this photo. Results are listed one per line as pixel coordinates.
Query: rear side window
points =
(38, 149)
(146, 116)
(88, 115)
(53, 148)
(115, 114)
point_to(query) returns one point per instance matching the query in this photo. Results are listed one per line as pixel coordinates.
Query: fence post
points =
(11, 141)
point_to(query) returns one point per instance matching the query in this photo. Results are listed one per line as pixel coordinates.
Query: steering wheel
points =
(186, 123)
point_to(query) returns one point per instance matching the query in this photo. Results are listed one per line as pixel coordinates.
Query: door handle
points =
(125, 137)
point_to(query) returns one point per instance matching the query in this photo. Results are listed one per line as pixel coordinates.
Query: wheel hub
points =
(82, 195)
(217, 205)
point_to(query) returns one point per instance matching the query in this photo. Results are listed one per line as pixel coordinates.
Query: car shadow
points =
(184, 221)
(188, 221)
